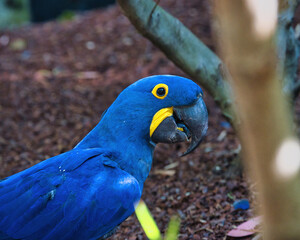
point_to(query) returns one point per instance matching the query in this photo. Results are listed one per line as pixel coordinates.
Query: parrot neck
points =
(129, 138)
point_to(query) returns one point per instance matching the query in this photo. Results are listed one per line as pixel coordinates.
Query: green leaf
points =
(67, 15)
(14, 13)
(146, 220)
(18, 45)
(173, 229)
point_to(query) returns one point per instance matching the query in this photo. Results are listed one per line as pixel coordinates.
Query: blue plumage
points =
(86, 192)
(59, 200)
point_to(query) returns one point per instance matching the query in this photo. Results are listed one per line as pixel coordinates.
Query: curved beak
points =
(186, 123)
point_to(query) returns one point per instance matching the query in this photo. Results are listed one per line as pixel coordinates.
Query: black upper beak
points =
(187, 122)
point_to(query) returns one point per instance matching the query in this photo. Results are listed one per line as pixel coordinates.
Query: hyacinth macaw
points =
(87, 192)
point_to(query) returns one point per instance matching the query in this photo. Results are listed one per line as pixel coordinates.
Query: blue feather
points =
(55, 199)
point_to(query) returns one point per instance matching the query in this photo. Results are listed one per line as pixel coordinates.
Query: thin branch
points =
(183, 48)
(150, 17)
(296, 89)
(288, 46)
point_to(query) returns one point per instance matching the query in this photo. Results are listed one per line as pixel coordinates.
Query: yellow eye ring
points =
(160, 91)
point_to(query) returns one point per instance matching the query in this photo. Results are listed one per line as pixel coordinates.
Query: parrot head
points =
(187, 117)
(177, 109)
(155, 109)
(158, 109)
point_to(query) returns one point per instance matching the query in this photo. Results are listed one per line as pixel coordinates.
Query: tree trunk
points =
(271, 151)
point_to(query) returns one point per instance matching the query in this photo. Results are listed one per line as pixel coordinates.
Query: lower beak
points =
(186, 123)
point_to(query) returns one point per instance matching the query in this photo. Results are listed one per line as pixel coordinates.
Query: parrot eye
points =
(160, 91)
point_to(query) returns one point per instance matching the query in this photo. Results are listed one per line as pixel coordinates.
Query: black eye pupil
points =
(161, 91)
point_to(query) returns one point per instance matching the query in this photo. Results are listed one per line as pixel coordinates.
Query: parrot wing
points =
(81, 194)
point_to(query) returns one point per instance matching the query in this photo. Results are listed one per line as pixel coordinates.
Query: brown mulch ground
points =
(57, 78)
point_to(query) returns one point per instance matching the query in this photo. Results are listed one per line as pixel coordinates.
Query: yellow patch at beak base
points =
(161, 115)
(180, 129)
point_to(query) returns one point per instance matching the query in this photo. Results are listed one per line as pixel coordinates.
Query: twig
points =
(150, 17)
(296, 89)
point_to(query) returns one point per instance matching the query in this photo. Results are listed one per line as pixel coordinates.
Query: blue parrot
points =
(88, 191)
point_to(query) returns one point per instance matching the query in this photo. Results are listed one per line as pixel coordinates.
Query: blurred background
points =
(17, 12)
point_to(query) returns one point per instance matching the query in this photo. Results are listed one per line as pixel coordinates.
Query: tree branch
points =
(288, 46)
(183, 48)
(296, 89)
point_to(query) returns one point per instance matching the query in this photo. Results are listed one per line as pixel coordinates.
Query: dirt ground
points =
(57, 78)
